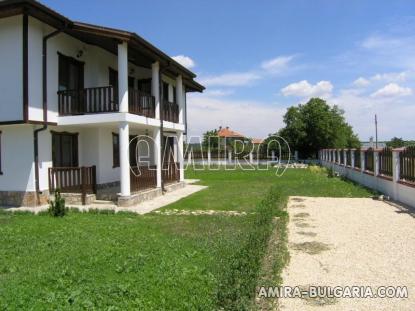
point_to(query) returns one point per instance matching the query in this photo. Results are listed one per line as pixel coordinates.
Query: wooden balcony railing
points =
(141, 103)
(73, 180)
(89, 100)
(104, 99)
(170, 112)
(143, 177)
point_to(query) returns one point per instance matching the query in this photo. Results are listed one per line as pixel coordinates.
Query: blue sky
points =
(259, 57)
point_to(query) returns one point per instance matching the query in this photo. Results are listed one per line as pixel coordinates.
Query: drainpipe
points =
(163, 190)
(44, 107)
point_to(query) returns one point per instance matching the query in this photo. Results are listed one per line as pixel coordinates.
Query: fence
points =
(407, 165)
(390, 171)
(385, 162)
(73, 180)
(369, 160)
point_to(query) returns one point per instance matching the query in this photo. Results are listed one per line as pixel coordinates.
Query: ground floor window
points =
(64, 149)
(116, 150)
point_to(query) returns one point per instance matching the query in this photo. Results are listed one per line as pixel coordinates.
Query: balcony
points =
(102, 100)
(170, 112)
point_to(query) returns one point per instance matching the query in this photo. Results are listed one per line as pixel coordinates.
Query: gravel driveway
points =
(349, 242)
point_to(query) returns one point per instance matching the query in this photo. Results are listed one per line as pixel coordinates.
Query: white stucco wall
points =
(11, 72)
(398, 192)
(17, 158)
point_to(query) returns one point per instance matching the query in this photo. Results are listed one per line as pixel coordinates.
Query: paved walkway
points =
(347, 242)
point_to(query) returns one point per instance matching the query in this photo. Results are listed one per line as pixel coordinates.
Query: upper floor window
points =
(1, 172)
(165, 91)
(71, 73)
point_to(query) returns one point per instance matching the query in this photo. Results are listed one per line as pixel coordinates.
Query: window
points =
(115, 150)
(165, 91)
(64, 149)
(1, 172)
(71, 73)
(144, 86)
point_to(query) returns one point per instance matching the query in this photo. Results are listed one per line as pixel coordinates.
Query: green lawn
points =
(239, 190)
(153, 262)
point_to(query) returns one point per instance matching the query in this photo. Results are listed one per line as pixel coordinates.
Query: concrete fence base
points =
(396, 190)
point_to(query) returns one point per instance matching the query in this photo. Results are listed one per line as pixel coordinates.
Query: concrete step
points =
(103, 202)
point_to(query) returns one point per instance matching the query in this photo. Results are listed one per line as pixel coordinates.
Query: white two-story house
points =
(85, 109)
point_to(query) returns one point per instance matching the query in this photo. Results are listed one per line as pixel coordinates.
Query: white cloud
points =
(305, 89)
(186, 61)
(361, 109)
(391, 76)
(231, 79)
(361, 82)
(252, 118)
(219, 92)
(278, 64)
(392, 90)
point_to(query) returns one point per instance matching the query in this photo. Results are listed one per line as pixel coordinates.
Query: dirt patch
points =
(303, 225)
(297, 199)
(301, 215)
(306, 233)
(317, 301)
(297, 206)
(311, 248)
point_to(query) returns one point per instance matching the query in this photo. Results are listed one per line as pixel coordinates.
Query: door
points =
(64, 149)
(71, 80)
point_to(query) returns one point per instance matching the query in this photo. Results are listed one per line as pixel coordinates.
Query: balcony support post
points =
(157, 154)
(155, 86)
(123, 76)
(180, 98)
(124, 133)
(180, 155)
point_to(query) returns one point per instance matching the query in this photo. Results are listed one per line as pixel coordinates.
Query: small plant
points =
(57, 207)
(331, 173)
(317, 169)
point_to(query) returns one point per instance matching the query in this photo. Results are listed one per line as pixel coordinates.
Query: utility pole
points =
(376, 130)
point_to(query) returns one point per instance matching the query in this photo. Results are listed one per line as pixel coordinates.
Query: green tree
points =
(316, 125)
(211, 139)
(396, 142)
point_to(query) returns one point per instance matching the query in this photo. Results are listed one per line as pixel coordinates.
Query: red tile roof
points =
(226, 132)
(257, 141)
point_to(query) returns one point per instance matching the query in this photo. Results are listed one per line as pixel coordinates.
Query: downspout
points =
(44, 107)
(163, 190)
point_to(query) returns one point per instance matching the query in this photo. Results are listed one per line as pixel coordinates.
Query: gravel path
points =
(349, 242)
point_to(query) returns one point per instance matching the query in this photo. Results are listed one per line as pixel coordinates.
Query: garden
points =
(162, 260)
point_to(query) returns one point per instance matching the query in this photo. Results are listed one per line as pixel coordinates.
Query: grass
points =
(157, 262)
(239, 190)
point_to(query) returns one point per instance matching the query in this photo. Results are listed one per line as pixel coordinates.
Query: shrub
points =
(57, 207)
(331, 173)
(317, 169)
(237, 286)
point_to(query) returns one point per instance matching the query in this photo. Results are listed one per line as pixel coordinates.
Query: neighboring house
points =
(68, 119)
(228, 137)
(257, 141)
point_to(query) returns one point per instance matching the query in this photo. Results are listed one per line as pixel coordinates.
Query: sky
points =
(257, 58)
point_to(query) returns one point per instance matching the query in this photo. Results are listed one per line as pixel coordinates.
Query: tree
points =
(396, 143)
(315, 125)
(211, 139)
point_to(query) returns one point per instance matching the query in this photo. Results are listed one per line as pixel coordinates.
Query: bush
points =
(331, 173)
(317, 169)
(57, 207)
(237, 286)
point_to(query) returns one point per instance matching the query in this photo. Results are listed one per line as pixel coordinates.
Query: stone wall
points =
(22, 198)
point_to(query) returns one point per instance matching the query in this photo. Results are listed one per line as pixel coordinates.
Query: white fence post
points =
(251, 158)
(396, 170)
(344, 157)
(209, 157)
(376, 164)
(352, 157)
(362, 161)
